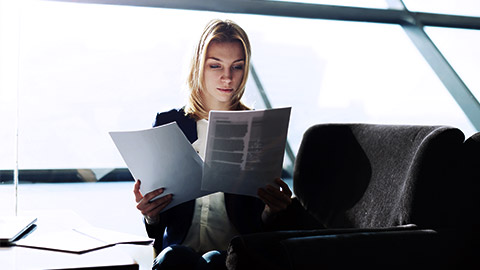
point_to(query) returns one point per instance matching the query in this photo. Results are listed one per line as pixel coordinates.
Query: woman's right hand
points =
(150, 209)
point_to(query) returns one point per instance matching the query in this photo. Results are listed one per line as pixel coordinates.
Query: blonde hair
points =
(219, 31)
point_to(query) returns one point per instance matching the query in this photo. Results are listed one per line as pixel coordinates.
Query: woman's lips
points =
(225, 89)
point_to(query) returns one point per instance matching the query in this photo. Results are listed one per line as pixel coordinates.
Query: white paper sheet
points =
(245, 149)
(162, 157)
(81, 240)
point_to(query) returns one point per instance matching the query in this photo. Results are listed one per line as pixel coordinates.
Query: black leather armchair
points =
(384, 196)
(471, 170)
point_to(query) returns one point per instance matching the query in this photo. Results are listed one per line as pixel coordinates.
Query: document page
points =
(81, 240)
(244, 150)
(162, 157)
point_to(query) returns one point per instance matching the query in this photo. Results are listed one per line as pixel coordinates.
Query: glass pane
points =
(82, 78)
(352, 3)
(8, 101)
(8, 84)
(460, 48)
(332, 71)
(8, 90)
(457, 7)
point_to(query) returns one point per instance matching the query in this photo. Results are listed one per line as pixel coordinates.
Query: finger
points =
(136, 191)
(284, 186)
(273, 207)
(276, 201)
(151, 195)
(143, 204)
(277, 193)
(154, 212)
(269, 193)
(261, 193)
(264, 196)
(277, 197)
(149, 208)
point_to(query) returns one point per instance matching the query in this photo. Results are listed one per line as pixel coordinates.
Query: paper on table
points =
(162, 157)
(244, 150)
(113, 237)
(81, 240)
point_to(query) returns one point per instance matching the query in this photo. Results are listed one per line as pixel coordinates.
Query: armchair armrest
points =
(411, 249)
(271, 250)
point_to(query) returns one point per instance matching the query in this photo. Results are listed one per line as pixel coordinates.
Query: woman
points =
(217, 80)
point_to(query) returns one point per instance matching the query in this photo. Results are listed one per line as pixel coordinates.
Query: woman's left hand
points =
(276, 199)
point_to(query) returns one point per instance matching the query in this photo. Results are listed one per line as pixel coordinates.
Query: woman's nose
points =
(227, 75)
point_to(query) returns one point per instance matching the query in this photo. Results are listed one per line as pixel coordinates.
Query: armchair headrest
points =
(368, 175)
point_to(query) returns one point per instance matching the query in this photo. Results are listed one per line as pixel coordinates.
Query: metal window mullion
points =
(447, 75)
(272, 8)
(268, 105)
(445, 72)
(396, 15)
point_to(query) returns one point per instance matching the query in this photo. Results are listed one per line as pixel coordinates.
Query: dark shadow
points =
(64, 176)
(331, 173)
(118, 174)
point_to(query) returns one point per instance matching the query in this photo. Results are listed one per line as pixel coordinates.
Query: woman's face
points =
(223, 73)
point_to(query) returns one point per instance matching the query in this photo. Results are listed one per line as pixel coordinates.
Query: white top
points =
(211, 229)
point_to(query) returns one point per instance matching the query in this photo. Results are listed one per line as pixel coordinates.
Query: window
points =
(352, 3)
(460, 47)
(458, 7)
(87, 69)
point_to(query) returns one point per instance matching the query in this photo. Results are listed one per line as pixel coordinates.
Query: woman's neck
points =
(218, 107)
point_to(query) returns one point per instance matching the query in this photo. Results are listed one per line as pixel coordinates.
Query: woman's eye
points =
(214, 66)
(239, 67)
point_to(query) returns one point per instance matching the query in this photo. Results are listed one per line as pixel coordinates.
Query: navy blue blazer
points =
(243, 211)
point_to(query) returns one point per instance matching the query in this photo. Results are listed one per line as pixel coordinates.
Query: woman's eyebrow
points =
(220, 60)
